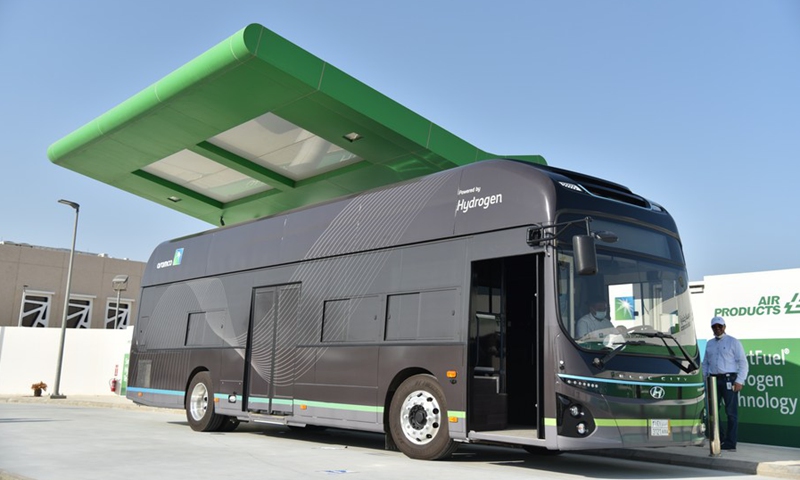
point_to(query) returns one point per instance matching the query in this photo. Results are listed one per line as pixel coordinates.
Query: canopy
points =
(256, 126)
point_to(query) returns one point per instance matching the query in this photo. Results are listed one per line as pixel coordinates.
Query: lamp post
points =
(56, 391)
(119, 284)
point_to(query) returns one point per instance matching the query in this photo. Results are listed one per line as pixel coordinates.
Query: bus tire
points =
(418, 419)
(200, 405)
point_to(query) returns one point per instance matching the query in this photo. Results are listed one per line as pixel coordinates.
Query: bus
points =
(438, 311)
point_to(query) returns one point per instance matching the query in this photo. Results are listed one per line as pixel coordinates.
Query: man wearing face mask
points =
(596, 319)
(725, 360)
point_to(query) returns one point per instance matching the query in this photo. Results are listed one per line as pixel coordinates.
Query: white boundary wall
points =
(30, 355)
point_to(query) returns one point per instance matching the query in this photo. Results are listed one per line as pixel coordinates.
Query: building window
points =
(79, 313)
(35, 311)
(118, 319)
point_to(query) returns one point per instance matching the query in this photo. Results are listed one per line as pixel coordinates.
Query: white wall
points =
(29, 355)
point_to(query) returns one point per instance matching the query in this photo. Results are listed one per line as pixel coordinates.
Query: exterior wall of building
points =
(41, 273)
(762, 309)
(92, 357)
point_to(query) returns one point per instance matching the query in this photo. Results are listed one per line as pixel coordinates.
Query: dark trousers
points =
(730, 400)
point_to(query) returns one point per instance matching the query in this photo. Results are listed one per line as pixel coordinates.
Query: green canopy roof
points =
(256, 126)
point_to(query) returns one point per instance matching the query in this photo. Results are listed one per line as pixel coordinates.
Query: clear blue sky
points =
(695, 105)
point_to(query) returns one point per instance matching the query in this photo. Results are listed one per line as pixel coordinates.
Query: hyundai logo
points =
(657, 393)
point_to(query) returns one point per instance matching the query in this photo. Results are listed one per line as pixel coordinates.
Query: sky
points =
(694, 105)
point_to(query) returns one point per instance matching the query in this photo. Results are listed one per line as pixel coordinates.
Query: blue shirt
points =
(725, 355)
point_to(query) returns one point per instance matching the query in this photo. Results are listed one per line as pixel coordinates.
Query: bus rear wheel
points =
(200, 405)
(418, 419)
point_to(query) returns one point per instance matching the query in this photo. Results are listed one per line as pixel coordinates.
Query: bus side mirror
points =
(585, 254)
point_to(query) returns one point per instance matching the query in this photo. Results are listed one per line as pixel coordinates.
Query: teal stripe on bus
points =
(629, 382)
(156, 391)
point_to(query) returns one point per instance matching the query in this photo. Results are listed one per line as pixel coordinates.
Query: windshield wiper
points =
(601, 362)
(678, 360)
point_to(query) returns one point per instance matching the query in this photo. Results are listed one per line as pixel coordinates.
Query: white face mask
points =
(600, 314)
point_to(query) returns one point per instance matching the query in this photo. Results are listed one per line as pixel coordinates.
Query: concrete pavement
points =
(766, 460)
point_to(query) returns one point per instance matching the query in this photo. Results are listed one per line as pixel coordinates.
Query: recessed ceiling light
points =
(352, 137)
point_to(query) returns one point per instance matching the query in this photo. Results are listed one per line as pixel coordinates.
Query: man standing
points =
(725, 360)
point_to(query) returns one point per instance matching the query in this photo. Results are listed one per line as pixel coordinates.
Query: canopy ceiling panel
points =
(256, 126)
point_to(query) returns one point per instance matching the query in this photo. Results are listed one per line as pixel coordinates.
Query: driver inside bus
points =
(596, 319)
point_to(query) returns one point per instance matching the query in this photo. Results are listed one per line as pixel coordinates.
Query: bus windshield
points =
(637, 302)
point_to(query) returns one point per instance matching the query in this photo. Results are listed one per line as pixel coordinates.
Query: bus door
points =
(270, 349)
(505, 347)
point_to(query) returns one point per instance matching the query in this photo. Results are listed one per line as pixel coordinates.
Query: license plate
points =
(659, 428)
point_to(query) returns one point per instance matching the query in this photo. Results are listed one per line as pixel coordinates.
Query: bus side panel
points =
(344, 390)
(229, 387)
(187, 327)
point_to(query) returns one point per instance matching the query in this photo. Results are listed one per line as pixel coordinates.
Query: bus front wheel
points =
(200, 405)
(418, 419)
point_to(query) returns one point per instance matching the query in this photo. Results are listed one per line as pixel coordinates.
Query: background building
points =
(33, 283)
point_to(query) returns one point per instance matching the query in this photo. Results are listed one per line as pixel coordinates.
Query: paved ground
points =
(763, 460)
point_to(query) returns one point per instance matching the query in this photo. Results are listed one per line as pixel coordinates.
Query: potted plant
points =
(38, 388)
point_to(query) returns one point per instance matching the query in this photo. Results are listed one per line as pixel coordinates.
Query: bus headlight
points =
(574, 419)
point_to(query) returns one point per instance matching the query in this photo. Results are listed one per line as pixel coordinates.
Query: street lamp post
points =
(119, 284)
(56, 391)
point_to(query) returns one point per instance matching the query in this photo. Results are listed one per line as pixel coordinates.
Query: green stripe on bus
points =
(639, 422)
(341, 406)
(621, 422)
(629, 422)
(335, 406)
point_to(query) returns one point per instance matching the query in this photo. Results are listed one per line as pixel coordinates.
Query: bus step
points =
(270, 419)
(518, 436)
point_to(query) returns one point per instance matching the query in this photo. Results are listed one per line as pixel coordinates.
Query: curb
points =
(780, 469)
(120, 403)
(667, 458)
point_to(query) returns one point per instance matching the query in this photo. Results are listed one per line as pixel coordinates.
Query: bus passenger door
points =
(270, 349)
(505, 345)
(488, 399)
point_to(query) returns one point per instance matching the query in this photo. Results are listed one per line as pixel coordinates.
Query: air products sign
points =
(767, 305)
(762, 310)
(770, 394)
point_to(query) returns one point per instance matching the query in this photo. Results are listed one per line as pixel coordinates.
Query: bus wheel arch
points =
(398, 379)
(199, 403)
(418, 422)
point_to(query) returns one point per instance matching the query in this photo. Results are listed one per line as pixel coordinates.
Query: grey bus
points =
(438, 311)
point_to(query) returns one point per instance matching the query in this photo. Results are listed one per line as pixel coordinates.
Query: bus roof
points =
(256, 126)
